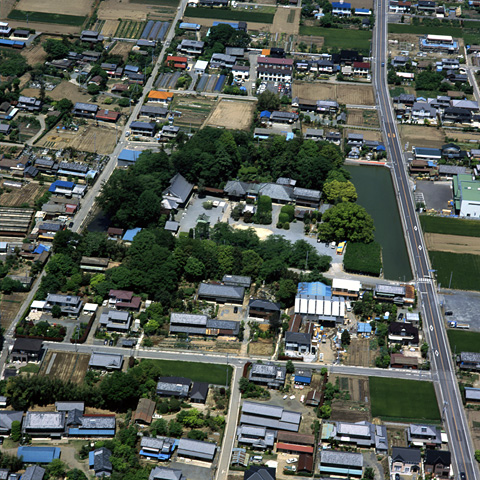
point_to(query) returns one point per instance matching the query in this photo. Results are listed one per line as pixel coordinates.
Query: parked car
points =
(448, 313)
(290, 468)
(400, 316)
(110, 343)
(291, 460)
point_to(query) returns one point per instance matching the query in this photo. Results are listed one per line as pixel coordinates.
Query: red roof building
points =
(176, 62)
(107, 116)
(305, 463)
(293, 448)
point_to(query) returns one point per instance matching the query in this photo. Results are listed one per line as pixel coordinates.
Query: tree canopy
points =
(337, 191)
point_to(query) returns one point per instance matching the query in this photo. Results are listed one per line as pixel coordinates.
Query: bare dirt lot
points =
(367, 134)
(109, 28)
(88, 138)
(115, 9)
(286, 20)
(359, 353)
(63, 90)
(474, 423)
(422, 136)
(70, 7)
(65, 366)
(363, 118)
(362, 3)
(208, 22)
(231, 114)
(36, 54)
(357, 407)
(195, 110)
(347, 94)
(120, 48)
(261, 348)
(465, 136)
(19, 196)
(453, 243)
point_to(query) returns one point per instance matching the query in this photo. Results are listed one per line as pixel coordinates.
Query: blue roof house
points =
(128, 157)
(130, 234)
(314, 289)
(38, 454)
(341, 9)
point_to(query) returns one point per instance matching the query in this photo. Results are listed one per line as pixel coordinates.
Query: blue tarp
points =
(61, 184)
(158, 456)
(38, 454)
(265, 114)
(364, 327)
(302, 379)
(41, 248)
(130, 234)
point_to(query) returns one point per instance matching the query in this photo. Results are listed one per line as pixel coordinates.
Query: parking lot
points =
(464, 306)
(436, 194)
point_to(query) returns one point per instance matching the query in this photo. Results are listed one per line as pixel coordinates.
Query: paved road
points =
(443, 368)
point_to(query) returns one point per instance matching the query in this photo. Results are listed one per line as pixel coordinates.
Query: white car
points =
(292, 397)
(285, 397)
(291, 460)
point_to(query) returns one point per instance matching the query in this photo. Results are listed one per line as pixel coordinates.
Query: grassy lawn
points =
(461, 341)
(199, 372)
(465, 268)
(450, 226)
(397, 399)
(224, 14)
(363, 258)
(423, 29)
(43, 17)
(30, 368)
(340, 38)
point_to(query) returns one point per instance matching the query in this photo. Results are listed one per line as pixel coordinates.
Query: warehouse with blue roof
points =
(128, 157)
(38, 454)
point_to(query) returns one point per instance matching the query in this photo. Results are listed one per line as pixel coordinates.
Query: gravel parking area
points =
(464, 306)
(437, 194)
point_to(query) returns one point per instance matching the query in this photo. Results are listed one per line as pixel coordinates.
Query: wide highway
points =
(443, 368)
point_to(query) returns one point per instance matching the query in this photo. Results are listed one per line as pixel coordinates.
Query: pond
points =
(376, 193)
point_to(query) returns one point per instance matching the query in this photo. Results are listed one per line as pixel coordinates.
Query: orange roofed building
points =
(176, 62)
(160, 97)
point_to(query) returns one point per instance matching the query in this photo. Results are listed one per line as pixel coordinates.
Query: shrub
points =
(288, 210)
(264, 211)
(207, 205)
(286, 226)
(279, 225)
(283, 218)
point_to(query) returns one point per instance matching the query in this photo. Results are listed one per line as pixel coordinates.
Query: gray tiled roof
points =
(406, 455)
(343, 459)
(6, 419)
(173, 385)
(276, 192)
(300, 338)
(34, 472)
(179, 187)
(44, 420)
(262, 409)
(106, 360)
(67, 406)
(221, 291)
(390, 289)
(472, 393)
(224, 325)
(196, 448)
(98, 423)
(239, 280)
(264, 304)
(188, 319)
(164, 473)
(101, 460)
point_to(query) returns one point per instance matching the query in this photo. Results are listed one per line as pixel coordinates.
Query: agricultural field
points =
(401, 28)
(88, 138)
(340, 37)
(109, 28)
(196, 371)
(72, 7)
(36, 54)
(122, 49)
(65, 366)
(137, 11)
(129, 29)
(456, 270)
(232, 114)
(461, 341)
(363, 118)
(359, 353)
(362, 3)
(286, 20)
(16, 197)
(195, 110)
(261, 15)
(450, 226)
(9, 306)
(452, 243)
(48, 18)
(353, 94)
(421, 136)
(403, 400)
(356, 408)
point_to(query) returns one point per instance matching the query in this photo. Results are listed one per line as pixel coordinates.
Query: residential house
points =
(196, 449)
(315, 134)
(220, 293)
(70, 305)
(259, 438)
(157, 96)
(193, 324)
(361, 434)
(107, 116)
(361, 68)
(200, 67)
(268, 375)
(106, 361)
(164, 473)
(146, 129)
(221, 61)
(199, 392)
(422, 111)
(159, 448)
(176, 62)
(235, 52)
(178, 387)
(333, 137)
(297, 343)
(91, 36)
(74, 169)
(30, 104)
(237, 281)
(403, 333)
(348, 464)
(123, 299)
(44, 424)
(400, 61)
(116, 321)
(191, 47)
(7, 417)
(307, 197)
(94, 264)
(241, 72)
(260, 473)
(472, 395)
(303, 376)
(27, 350)
(457, 115)
(355, 139)
(144, 412)
(283, 117)
(397, 360)
(263, 309)
(314, 398)
(466, 104)
(169, 132)
(424, 435)
(91, 425)
(438, 463)
(327, 106)
(405, 461)
(341, 9)
(178, 192)
(269, 416)
(154, 113)
(85, 110)
(324, 66)
(99, 461)
(426, 6)
(346, 288)
(295, 443)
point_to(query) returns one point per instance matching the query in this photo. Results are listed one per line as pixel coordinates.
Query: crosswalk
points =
(424, 280)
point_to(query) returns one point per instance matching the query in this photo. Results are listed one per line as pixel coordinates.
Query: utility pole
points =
(450, 282)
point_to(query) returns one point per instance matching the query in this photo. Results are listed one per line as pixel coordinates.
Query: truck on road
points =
(453, 324)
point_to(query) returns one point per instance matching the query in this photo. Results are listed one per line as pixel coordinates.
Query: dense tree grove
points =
(210, 158)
